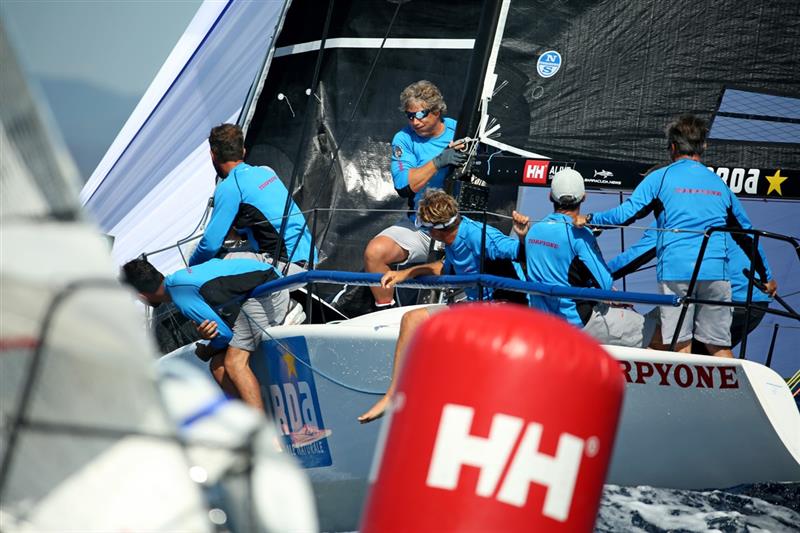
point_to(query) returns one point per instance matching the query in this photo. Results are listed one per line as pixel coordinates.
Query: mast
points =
(468, 117)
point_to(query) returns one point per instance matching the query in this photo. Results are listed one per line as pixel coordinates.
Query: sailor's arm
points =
(195, 308)
(226, 205)
(393, 277)
(408, 178)
(641, 202)
(737, 218)
(635, 256)
(592, 260)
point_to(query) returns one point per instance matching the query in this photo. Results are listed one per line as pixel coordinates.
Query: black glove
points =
(449, 156)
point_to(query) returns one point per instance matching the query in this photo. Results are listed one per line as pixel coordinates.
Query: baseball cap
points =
(567, 186)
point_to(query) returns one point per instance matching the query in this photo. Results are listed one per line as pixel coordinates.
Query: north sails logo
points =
(548, 64)
(456, 447)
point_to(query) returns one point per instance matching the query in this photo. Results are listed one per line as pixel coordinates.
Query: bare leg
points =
(379, 254)
(238, 371)
(218, 371)
(719, 351)
(684, 347)
(408, 326)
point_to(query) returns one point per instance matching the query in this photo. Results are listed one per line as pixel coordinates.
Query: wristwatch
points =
(589, 218)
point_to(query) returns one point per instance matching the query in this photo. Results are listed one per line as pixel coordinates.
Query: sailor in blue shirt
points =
(251, 201)
(644, 251)
(686, 195)
(558, 253)
(422, 154)
(214, 295)
(437, 213)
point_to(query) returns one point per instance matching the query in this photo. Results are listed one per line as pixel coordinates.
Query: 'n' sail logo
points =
(548, 64)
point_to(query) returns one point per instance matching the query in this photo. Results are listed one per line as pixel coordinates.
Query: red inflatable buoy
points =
(504, 420)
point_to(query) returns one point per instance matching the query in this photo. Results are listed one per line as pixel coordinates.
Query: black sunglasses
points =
(419, 115)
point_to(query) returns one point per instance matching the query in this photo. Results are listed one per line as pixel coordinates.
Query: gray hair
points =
(424, 92)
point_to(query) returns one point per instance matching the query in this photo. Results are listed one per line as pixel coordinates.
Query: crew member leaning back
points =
(421, 156)
(685, 195)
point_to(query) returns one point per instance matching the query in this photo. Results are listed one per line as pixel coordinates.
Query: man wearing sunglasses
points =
(462, 237)
(422, 154)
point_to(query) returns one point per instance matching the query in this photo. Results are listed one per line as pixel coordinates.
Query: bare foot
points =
(376, 411)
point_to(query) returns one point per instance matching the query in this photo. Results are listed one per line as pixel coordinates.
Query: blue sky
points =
(92, 60)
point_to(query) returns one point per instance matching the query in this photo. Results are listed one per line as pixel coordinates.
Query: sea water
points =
(763, 507)
(773, 507)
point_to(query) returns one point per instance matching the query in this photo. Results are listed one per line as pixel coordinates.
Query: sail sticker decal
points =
(548, 64)
(292, 394)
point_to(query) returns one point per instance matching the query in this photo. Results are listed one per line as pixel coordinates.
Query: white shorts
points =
(709, 324)
(255, 316)
(410, 238)
(258, 314)
(620, 326)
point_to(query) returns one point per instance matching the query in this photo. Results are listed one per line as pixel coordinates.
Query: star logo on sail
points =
(775, 182)
(288, 360)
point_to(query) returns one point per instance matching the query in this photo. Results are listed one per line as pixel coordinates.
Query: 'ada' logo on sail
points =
(548, 64)
(739, 179)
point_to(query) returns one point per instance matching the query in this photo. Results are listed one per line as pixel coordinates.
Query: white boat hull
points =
(688, 422)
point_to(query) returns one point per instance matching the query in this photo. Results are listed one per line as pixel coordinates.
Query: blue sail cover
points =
(151, 188)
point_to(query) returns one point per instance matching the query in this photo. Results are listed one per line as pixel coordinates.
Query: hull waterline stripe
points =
(369, 42)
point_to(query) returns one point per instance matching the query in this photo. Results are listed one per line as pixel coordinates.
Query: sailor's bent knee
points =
(379, 250)
(414, 318)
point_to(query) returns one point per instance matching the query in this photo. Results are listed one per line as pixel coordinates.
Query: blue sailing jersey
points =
(197, 291)
(685, 195)
(410, 150)
(644, 251)
(252, 200)
(558, 253)
(463, 256)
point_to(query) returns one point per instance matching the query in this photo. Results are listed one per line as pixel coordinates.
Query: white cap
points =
(567, 185)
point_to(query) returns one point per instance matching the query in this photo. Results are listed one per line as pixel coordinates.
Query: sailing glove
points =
(449, 156)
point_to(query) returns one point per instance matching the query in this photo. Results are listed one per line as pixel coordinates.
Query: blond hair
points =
(437, 207)
(424, 92)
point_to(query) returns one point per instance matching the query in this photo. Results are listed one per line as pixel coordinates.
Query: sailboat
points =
(542, 86)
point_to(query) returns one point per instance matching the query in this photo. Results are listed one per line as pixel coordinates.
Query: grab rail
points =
(688, 299)
(466, 280)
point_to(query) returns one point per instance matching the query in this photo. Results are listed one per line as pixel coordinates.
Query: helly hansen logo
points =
(456, 447)
(535, 172)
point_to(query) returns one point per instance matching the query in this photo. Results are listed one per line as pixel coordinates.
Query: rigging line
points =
(306, 127)
(349, 124)
(19, 419)
(317, 371)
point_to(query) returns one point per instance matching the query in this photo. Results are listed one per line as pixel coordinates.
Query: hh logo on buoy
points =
(456, 447)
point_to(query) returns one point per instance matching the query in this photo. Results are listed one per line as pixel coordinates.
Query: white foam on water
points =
(640, 509)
